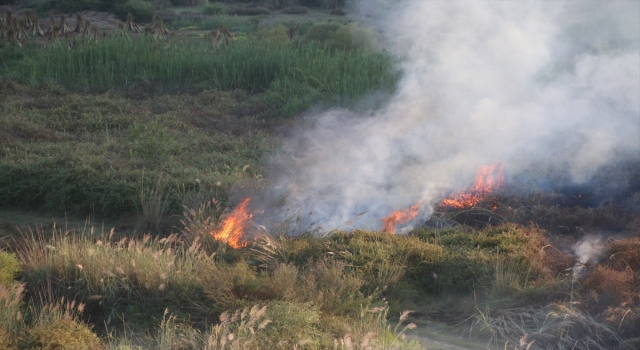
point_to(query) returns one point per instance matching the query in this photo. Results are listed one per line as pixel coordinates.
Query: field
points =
(121, 154)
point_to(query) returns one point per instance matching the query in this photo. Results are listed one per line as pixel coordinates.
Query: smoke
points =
(536, 84)
(588, 248)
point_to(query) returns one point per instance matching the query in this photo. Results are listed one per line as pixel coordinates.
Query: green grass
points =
(234, 23)
(68, 151)
(96, 153)
(297, 75)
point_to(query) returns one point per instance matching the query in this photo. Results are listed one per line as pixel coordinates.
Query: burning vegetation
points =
(488, 179)
(233, 229)
(400, 217)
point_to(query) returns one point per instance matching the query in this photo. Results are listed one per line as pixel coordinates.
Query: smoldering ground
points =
(547, 87)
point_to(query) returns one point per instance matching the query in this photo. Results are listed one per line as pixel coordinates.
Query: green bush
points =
(213, 9)
(277, 35)
(291, 324)
(9, 268)
(338, 36)
(142, 11)
(62, 333)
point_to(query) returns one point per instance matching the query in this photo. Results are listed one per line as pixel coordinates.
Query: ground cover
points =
(140, 136)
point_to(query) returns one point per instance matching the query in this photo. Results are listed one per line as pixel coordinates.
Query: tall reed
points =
(179, 64)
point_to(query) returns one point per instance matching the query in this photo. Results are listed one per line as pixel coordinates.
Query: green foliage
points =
(292, 323)
(55, 185)
(248, 64)
(215, 8)
(337, 36)
(63, 333)
(141, 10)
(276, 35)
(233, 23)
(90, 154)
(9, 268)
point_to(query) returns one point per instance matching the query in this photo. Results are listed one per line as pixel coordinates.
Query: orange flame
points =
(400, 217)
(232, 228)
(488, 179)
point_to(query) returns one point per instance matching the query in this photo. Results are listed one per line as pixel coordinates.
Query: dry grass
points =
(11, 317)
(173, 289)
(555, 326)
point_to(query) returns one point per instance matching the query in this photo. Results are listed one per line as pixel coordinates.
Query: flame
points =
(400, 217)
(488, 179)
(232, 228)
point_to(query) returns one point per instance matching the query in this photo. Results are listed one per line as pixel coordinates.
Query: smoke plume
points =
(536, 84)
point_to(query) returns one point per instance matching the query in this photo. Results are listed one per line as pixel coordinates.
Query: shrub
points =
(352, 36)
(291, 324)
(142, 11)
(63, 333)
(607, 286)
(277, 35)
(9, 268)
(343, 37)
(323, 31)
(213, 9)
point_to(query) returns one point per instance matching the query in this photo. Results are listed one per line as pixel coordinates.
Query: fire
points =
(232, 228)
(488, 179)
(400, 217)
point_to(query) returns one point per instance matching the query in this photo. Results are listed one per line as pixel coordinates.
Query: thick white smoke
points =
(524, 82)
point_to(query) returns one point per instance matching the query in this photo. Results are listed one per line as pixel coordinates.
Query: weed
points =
(153, 208)
(56, 325)
(9, 268)
(11, 318)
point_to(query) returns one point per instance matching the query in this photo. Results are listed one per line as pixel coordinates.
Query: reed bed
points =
(250, 64)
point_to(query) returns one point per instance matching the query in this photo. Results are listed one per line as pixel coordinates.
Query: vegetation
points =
(214, 8)
(153, 134)
(296, 75)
